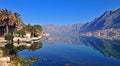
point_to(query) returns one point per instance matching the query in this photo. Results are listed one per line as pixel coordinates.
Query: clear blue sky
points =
(59, 11)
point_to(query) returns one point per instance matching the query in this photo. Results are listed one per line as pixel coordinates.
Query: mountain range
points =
(64, 29)
(110, 19)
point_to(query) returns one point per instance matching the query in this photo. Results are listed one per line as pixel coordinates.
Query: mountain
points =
(64, 29)
(110, 19)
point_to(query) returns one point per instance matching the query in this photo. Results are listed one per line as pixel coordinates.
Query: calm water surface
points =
(76, 51)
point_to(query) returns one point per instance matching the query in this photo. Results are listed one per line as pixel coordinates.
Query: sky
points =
(60, 12)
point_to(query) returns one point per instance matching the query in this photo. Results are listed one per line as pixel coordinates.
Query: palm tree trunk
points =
(32, 34)
(6, 28)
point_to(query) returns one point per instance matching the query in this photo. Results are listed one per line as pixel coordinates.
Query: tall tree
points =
(7, 18)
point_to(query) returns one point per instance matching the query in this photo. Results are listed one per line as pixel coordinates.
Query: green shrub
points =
(36, 35)
(9, 46)
(21, 33)
(9, 37)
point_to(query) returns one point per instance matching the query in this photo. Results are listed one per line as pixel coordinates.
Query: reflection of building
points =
(89, 34)
(106, 34)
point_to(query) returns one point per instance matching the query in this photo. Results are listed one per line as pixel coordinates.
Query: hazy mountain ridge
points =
(110, 19)
(55, 29)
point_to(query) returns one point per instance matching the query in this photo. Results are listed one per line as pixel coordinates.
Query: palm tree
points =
(18, 19)
(7, 18)
(33, 31)
(38, 28)
(5, 15)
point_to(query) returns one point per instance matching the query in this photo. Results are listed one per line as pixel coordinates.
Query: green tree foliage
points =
(38, 28)
(35, 30)
(21, 33)
(36, 35)
(9, 37)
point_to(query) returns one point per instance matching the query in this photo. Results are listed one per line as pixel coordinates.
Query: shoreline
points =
(23, 40)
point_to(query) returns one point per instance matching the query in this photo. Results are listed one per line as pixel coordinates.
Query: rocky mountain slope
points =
(110, 19)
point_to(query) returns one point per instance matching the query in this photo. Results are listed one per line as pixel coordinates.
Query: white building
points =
(28, 34)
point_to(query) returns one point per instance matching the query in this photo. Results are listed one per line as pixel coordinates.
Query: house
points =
(28, 34)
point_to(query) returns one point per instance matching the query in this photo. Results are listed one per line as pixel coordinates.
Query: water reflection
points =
(109, 48)
(35, 46)
(11, 50)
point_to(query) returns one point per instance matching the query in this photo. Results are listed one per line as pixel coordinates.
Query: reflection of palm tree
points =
(35, 46)
(10, 49)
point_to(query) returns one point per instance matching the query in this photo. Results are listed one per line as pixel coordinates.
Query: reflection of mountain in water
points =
(109, 48)
(106, 47)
